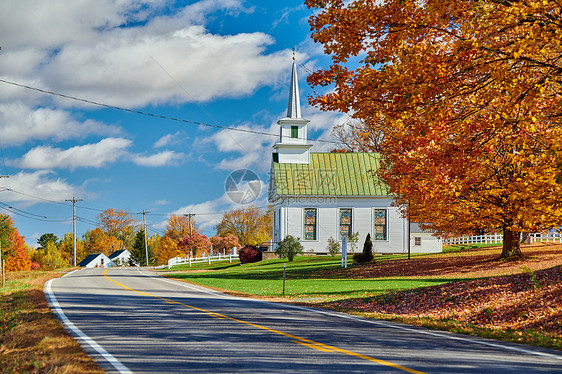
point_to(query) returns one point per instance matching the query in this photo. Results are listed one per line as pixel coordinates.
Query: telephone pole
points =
(189, 215)
(145, 240)
(74, 200)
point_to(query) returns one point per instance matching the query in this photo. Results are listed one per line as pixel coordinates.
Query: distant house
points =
(318, 196)
(120, 257)
(97, 260)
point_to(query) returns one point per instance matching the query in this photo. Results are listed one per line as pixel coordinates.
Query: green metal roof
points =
(331, 174)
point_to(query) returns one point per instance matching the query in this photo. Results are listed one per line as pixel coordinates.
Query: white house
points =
(120, 257)
(316, 196)
(97, 260)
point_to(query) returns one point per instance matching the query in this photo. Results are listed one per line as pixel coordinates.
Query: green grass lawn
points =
(305, 278)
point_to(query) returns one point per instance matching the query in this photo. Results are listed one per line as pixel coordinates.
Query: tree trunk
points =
(511, 245)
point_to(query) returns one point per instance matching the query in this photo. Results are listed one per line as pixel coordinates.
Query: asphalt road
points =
(133, 321)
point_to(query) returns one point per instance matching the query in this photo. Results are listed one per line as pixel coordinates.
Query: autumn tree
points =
(49, 257)
(178, 228)
(195, 244)
(97, 241)
(461, 98)
(118, 224)
(14, 249)
(249, 225)
(224, 244)
(66, 249)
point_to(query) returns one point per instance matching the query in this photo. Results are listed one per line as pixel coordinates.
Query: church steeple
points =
(294, 109)
(292, 147)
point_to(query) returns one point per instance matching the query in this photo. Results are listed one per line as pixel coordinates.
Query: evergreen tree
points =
(47, 238)
(138, 252)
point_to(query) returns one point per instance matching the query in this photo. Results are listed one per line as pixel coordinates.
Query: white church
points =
(316, 196)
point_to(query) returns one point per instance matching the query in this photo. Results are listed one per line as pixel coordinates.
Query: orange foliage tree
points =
(97, 241)
(178, 228)
(14, 249)
(463, 101)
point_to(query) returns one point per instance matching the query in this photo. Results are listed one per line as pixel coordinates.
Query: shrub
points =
(333, 247)
(289, 247)
(367, 254)
(249, 253)
(35, 266)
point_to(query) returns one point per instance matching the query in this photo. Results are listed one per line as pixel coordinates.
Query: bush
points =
(367, 254)
(333, 247)
(289, 248)
(249, 253)
(35, 266)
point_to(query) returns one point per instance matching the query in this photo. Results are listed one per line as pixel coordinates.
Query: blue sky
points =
(218, 62)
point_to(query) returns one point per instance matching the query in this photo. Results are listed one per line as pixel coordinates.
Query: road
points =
(130, 320)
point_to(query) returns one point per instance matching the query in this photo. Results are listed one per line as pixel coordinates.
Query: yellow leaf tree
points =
(118, 224)
(463, 101)
(249, 225)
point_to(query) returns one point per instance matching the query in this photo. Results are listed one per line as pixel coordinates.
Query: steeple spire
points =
(294, 108)
(292, 147)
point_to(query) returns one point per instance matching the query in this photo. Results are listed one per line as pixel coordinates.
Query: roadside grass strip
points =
(295, 339)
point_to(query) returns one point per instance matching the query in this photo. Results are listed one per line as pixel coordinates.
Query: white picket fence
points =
(497, 238)
(199, 260)
(474, 239)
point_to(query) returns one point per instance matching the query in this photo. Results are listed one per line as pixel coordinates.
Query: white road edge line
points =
(55, 307)
(374, 322)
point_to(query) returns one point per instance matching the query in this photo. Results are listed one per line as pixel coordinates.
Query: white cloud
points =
(31, 187)
(168, 139)
(164, 158)
(89, 55)
(20, 123)
(254, 150)
(89, 155)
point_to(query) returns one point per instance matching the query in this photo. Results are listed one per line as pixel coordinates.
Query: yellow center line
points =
(296, 339)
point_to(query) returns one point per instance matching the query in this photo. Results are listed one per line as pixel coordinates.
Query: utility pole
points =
(74, 200)
(2, 262)
(189, 215)
(145, 240)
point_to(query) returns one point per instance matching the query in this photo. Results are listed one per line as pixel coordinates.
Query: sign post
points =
(284, 267)
(344, 252)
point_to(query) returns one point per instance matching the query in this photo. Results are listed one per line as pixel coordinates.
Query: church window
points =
(294, 132)
(380, 224)
(310, 224)
(345, 222)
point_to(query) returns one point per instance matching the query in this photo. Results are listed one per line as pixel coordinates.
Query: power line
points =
(151, 114)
